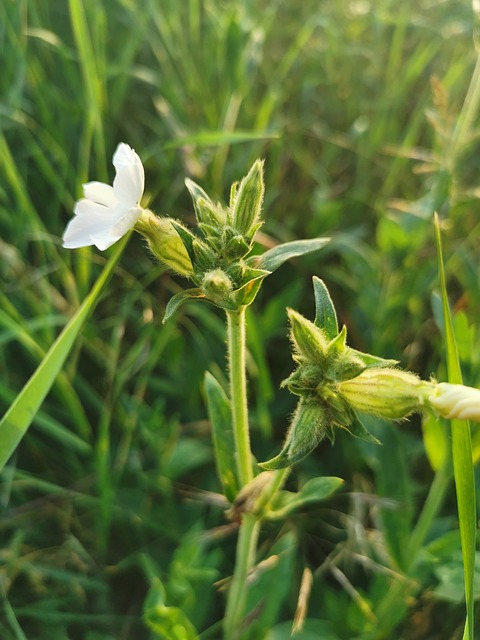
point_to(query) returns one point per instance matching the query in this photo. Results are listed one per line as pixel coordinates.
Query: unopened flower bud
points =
(164, 242)
(216, 285)
(456, 401)
(248, 200)
(388, 393)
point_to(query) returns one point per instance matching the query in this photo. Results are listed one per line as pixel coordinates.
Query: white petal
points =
(130, 176)
(126, 221)
(90, 219)
(100, 192)
(457, 401)
(105, 239)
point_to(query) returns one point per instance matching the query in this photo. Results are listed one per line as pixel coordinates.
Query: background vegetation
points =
(356, 107)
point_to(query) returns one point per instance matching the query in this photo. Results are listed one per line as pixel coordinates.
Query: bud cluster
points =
(215, 259)
(336, 382)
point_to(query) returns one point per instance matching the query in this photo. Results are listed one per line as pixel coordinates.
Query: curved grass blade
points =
(461, 452)
(19, 416)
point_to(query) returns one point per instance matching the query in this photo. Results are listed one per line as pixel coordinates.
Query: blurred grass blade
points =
(461, 451)
(219, 412)
(19, 416)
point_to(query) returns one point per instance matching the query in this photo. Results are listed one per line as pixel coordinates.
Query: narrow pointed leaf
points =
(178, 299)
(219, 412)
(274, 258)
(461, 452)
(19, 416)
(325, 314)
(315, 490)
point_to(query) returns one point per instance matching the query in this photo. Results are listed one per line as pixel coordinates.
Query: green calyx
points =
(336, 383)
(217, 256)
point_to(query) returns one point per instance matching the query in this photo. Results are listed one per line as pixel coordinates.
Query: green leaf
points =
(215, 138)
(325, 314)
(461, 452)
(274, 258)
(166, 623)
(19, 416)
(315, 490)
(178, 299)
(219, 412)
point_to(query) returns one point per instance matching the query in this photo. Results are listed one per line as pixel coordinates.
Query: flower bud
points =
(248, 200)
(308, 428)
(456, 401)
(164, 242)
(216, 285)
(310, 341)
(388, 393)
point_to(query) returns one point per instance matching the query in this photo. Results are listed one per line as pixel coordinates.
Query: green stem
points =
(238, 393)
(245, 558)
(250, 527)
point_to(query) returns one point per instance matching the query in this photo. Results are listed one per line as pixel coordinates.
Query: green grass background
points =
(357, 108)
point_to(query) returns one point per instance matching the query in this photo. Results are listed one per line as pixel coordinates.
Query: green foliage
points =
(354, 106)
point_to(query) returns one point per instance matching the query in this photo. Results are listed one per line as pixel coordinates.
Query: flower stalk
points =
(238, 393)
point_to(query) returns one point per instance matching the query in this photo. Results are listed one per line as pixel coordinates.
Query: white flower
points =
(106, 213)
(456, 401)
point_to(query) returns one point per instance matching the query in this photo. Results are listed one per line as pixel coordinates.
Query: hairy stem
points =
(250, 526)
(238, 393)
(245, 559)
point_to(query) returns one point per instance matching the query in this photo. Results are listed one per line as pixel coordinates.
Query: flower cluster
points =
(216, 259)
(337, 384)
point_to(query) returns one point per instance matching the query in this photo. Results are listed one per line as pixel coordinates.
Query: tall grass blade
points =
(19, 416)
(462, 453)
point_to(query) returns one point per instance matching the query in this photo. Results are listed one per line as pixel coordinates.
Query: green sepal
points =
(206, 211)
(187, 237)
(236, 248)
(355, 427)
(314, 490)
(179, 299)
(306, 431)
(166, 623)
(274, 258)
(219, 412)
(248, 199)
(325, 314)
(339, 343)
(373, 361)
(310, 342)
(233, 193)
(245, 294)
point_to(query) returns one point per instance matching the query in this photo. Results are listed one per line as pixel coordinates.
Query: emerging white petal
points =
(100, 192)
(456, 401)
(130, 179)
(107, 213)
